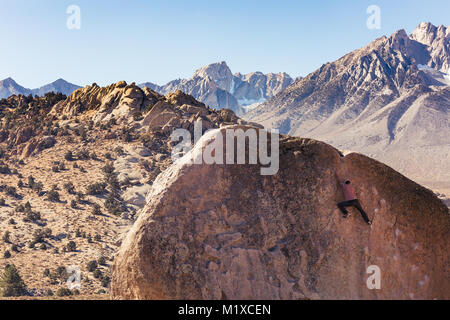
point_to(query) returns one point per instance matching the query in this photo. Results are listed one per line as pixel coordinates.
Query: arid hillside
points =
(75, 171)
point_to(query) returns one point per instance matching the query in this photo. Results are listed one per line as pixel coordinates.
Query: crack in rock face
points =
(227, 232)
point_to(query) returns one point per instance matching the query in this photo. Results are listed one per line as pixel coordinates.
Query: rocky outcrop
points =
(37, 144)
(227, 232)
(388, 100)
(180, 110)
(119, 100)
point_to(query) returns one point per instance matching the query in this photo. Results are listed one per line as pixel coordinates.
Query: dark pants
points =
(353, 203)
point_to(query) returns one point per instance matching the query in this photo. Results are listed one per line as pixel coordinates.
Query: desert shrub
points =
(68, 156)
(63, 292)
(108, 156)
(73, 204)
(80, 197)
(97, 237)
(91, 266)
(113, 205)
(14, 248)
(108, 169)
(11, 283)
(102, 261)
(106, 281)
(32, 216)
(11, 191)
(6, 237)
(145, 164)
(82, 155)
(20, 184)
(31, 181)
(40, 235)
(36, 186)
(119, 150)
(27, 206)
(96, 189)
(4, 169)
(71, 246)
(49, 293)
(97, 274)
(46, 273)
(70, 188)
(127, 137)
(7, 254)
(55, 169)
(2, 202)
(96, 210)
(61, 273)
(53, 195)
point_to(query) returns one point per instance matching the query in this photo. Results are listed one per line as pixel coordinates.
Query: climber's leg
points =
(342, 205)
(361, 210)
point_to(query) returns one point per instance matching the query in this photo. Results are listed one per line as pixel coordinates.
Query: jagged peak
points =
(426, 32)
(212, 69)
(179, 98)
(428, 26)
(8, 80)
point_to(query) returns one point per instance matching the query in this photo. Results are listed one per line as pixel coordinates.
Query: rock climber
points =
(351, 200)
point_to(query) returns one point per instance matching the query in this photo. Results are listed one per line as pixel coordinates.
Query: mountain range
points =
(389, 100)
(216, 86)
(9, 87)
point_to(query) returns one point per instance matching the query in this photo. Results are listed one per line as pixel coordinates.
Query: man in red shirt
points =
(351, 200)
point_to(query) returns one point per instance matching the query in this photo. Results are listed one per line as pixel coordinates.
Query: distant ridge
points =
(9, 87)
(216, 86)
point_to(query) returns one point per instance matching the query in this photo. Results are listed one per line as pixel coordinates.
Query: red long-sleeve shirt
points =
(349, 193)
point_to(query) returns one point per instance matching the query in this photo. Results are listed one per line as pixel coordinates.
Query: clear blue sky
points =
(158, 41)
